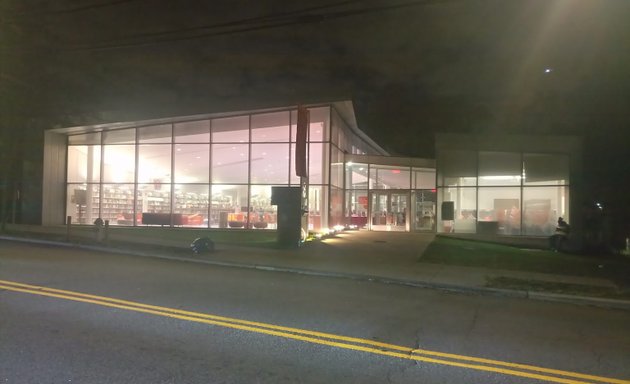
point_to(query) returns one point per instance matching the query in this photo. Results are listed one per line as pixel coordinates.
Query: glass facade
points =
(389, 197)
(505, 193)
(218, 172)
(210, 172)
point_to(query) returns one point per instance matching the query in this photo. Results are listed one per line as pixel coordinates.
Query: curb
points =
(453, 288)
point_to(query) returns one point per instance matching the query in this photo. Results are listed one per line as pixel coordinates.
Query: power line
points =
(253, 24)
(251, 20)
(71, 10)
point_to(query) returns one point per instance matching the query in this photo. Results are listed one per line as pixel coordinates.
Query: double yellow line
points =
(351, 343)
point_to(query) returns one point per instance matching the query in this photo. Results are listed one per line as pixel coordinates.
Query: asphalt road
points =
(399, 333)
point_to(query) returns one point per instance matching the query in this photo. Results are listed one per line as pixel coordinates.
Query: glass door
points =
(389, 211)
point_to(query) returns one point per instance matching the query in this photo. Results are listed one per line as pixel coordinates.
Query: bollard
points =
(98, 229)
(106, 230)
(68, 225)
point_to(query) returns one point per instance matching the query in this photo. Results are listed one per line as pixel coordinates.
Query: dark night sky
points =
(412, 67)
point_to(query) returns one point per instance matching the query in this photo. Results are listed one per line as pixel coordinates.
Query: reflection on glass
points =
(457, 168)
(336, 167)
(543, 169)
(85, 139)
(500, 168)
(120, 136)
(192, 163)
(319, 123)
(424, 178)
(155, 134)
(270, 127)
(317, 170)
(230, 163)
(192, 132)
(230, 130)
(356, 176)
(270, 163)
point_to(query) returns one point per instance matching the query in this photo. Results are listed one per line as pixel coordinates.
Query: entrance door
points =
(389, 211)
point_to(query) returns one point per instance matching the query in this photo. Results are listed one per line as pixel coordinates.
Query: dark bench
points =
(149, 218)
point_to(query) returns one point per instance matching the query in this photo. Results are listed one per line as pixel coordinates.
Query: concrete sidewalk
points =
(385, 257)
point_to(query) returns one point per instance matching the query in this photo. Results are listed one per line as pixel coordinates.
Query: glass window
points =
(545, 169)
(357, 207)
(154, 198)
(154, 164)
(86, 139)
(424, 209)
(464, 202)
(119, 163)
(230, 163)
(270, 164)
(192, 132)
(230, 130)
(271, 127)
(191, 204)
(318, 163)
(356, 176)
(317, 207)
(319, 123)
(336, 167)
(262, 214)
(117, 204)
(499, 210)
(155, 134)
(84, 163)
(192, 163)
(83, 203)
(336, 127)
(121, 136)
(541, 208)
(457, 168)
(499, 168)
(423, 178)
(388, 177)
(229, 206)
(336, 207)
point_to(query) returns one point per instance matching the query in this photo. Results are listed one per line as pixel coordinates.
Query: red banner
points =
(300, 145)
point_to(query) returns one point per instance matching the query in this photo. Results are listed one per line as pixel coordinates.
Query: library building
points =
(218, 170)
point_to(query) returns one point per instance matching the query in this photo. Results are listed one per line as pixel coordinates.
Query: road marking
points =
(364, 345)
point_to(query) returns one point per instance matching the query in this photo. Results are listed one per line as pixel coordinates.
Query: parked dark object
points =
(202, 245)
(559, 238)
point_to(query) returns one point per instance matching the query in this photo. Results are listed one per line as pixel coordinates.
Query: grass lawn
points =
(554, 287)
(479, 254)
(148, 235)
